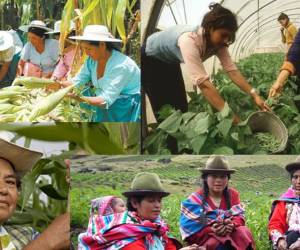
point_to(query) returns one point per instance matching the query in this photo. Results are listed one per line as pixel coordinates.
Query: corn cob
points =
(32, 82)
(7, 117)
(47, 104)
(6, 108)
(6, 100)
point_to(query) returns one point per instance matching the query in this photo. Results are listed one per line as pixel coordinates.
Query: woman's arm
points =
(279, 84)
(242, 83)
(3, 70)
(20, 68)
(212, 95)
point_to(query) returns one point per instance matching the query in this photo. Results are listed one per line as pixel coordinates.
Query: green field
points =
(259, 179)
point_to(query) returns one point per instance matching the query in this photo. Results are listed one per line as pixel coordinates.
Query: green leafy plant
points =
(202, 131)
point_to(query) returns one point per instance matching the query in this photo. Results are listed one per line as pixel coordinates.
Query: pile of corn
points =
(28, 100)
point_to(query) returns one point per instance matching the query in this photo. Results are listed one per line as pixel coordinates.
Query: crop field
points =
(259, 179)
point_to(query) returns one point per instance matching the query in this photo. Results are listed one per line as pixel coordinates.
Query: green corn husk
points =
(32, 82)
(8, 117)
(6, 100)
(6, 108)
(47, 104)
(10, 94)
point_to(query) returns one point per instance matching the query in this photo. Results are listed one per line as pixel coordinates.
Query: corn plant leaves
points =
(50, 191)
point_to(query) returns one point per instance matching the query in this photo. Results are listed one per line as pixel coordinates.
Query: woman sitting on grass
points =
(139, 228)
(284, 225)
(213, 216)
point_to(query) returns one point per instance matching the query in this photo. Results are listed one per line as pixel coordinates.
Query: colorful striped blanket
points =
(120, 230)
(196, 214)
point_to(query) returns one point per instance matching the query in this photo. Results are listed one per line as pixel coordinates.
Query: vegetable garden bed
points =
(203, 131)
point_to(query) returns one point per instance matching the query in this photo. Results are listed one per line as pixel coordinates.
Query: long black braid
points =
(226, 192)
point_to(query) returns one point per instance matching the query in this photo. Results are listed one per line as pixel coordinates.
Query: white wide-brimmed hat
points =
(97, 33)
(6, 40)
(22, 159)
(35, 24)
(57, 25)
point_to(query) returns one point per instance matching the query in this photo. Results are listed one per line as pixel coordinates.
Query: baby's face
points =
(119, 206)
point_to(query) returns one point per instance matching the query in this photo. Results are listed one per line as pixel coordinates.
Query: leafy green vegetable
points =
(203, 131)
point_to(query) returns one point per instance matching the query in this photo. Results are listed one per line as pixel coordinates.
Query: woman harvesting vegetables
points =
(213, 216)
(40, 54)
(165, 50)
(290, 67)
(110, 79)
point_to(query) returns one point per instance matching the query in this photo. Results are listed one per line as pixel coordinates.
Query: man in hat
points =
(284, 224)
(15, 161)
(213, 216)
(140, 227)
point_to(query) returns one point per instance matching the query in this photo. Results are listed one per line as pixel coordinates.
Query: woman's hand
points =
(193, 247)
(229, 226)
(65, 84)
(282, 245)
(275, 90)
(236, 119)
(261, 103)
(295, 245)
(219, 229)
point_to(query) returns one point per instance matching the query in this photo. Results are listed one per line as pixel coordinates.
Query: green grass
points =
(258, 186)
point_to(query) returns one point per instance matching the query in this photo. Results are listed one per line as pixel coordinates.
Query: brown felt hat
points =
(146, 183)
(294, 165)
(21, 158)
(217, 164)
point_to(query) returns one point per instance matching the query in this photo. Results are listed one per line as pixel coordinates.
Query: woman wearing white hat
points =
(114, 92)
(9, 58)
(15, 161)
(39, 56)
(64, 66)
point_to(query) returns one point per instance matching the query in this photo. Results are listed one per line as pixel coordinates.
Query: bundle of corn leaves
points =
(28, 100)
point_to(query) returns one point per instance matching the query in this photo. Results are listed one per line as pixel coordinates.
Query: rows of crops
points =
(203, 131)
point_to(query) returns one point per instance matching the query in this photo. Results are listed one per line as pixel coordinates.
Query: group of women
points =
(108, 80)
(211, 218)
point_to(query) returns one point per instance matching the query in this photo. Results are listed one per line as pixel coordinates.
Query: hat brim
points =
(53, 32)
(207, 171)
(25, 28)
(23, 159)
(8, 41)
(292, 166)
(145, 192)
(95, 39)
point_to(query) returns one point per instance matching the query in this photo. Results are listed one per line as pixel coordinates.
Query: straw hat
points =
(21, 158)
(294, 165)
(57, 25)
(217, 164)
(146, 183)
(6, 40)
(97, 33)
(35, 24)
